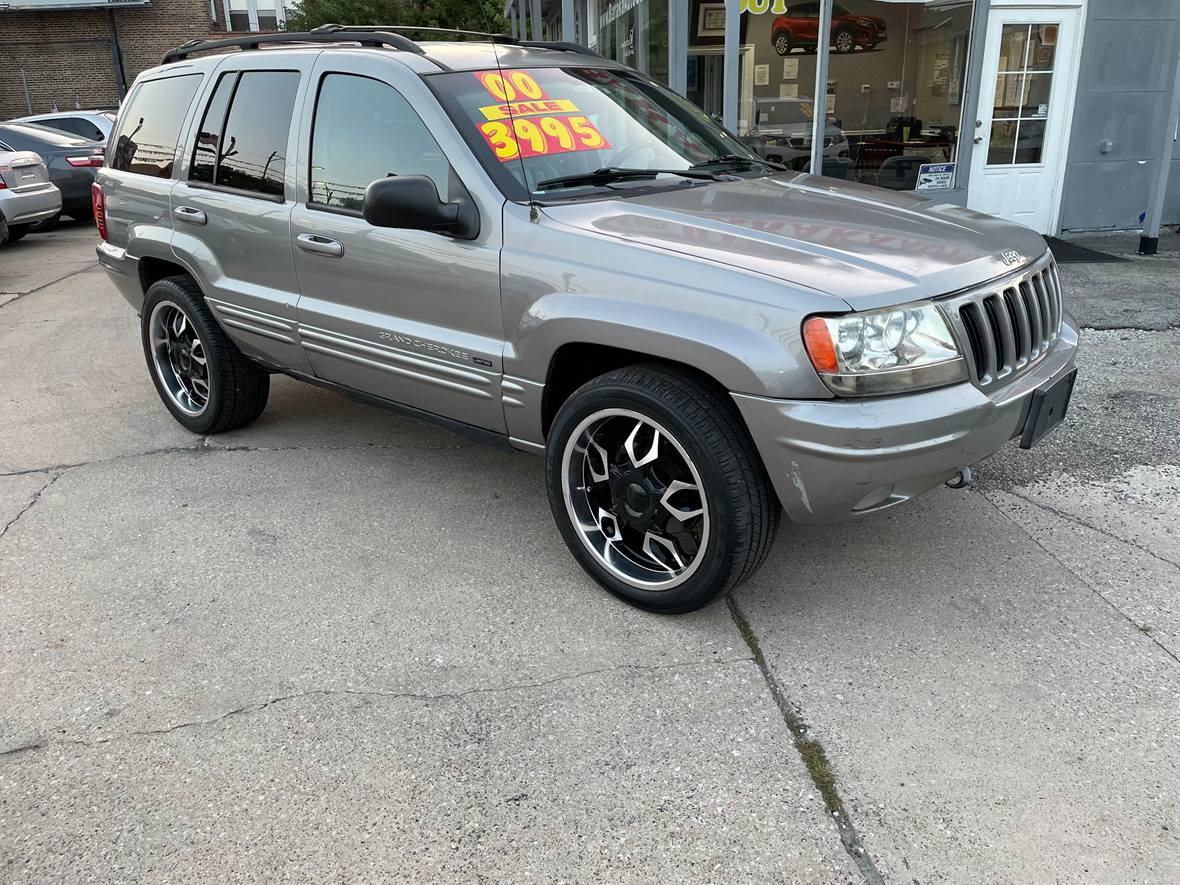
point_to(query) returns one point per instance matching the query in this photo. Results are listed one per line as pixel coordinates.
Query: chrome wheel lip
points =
(182, 392)
(583, 531)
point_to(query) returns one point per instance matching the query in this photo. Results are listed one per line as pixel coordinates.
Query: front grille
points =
(1008, 326)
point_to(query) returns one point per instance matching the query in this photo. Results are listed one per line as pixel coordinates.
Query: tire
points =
(782, 42)
(17, 231)
(226, 391)
(3, 230)
(844, 40)
(606, 469)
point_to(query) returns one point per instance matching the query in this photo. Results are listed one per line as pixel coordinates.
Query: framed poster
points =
(711, 20)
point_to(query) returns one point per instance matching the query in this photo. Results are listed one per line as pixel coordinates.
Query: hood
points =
(868, 246)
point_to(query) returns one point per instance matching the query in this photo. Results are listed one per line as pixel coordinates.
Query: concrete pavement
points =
(343, 645)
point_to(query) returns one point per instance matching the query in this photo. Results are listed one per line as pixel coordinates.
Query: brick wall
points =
(66, 55)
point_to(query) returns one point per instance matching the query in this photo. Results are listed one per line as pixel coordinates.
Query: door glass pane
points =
(1013, 46)
(1042, 47)
(1036, 95)
(1002, 143)
(1024, 87)
(254, 155)
(1029, 140)
(365, 130)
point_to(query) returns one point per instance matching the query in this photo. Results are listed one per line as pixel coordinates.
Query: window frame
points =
(252, 14)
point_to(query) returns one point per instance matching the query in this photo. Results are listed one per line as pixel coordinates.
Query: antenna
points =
(524, 177)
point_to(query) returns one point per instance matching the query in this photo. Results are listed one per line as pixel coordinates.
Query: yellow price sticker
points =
(529, 108)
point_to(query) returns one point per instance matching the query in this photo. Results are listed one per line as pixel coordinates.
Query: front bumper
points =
(30, 206)
(831, 460)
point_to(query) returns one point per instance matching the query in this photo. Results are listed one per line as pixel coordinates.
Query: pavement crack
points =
(1077, 520)
(1142, 629)
(811, 751)
(424, 697)
(204, 446)
(20, 295)
(36, 497)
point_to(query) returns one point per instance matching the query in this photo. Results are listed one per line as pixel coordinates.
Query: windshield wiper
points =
(607, 174)
(736, 160)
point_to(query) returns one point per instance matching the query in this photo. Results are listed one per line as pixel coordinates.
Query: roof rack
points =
(364, 36)
(415, 29)
(560, 46)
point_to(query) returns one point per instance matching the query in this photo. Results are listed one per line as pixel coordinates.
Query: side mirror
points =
(411, 202)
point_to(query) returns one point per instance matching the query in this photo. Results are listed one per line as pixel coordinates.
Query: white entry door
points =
(1030, 73)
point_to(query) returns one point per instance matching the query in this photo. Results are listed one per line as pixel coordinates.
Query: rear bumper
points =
(28, 207)
(123, 271)
(831, 460)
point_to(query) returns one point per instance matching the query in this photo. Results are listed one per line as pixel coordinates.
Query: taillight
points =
(94, 160)
(98, 202)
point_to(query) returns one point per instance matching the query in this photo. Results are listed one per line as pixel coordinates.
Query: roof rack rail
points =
(369, 36)
(415, 29)
(560, 46)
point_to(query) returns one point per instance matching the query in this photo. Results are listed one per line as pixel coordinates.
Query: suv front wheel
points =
(657, 489)
(204, 380)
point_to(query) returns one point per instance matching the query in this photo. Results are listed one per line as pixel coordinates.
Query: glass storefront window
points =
(895, 88)
(635, 32)
(776, 106)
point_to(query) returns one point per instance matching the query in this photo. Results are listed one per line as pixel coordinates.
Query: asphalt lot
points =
(343, 645)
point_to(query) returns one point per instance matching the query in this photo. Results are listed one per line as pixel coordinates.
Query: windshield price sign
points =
(528, 122)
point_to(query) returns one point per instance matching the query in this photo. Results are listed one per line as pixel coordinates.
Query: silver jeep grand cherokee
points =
(544, 249)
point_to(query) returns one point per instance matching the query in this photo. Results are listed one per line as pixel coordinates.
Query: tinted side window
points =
(253, 145)
(88, 130)
(207, 151)
(66, 124)
(364, 130)
(150, 126)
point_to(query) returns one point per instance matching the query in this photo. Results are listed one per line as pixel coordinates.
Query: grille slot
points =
(1007, 327)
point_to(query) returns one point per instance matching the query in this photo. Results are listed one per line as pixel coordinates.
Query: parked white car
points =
(95, 125)
(26, 194)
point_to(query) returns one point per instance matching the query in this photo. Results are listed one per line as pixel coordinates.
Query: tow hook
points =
(964, 479)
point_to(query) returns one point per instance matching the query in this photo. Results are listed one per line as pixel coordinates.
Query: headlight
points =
(889, 351)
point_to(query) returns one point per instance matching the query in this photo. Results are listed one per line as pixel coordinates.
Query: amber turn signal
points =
(817, 338)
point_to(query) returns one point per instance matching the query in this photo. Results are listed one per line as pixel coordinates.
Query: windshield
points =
(530, 127)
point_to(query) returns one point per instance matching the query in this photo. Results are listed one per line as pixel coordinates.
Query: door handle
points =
(319, 245)
(189, 214)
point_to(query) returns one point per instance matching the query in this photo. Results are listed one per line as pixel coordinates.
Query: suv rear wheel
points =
(657, 489)
(782, 42)
(204, 380)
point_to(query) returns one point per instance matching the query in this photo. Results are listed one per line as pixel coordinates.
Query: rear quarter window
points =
(145, 142)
